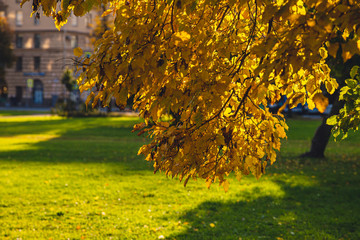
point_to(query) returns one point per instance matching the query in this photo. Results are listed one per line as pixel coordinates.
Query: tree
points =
(349, 116)
(204, 71)
(68, 80)
(6, 54)
(341, 72)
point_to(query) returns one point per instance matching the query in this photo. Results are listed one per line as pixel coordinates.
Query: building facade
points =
(42, 53)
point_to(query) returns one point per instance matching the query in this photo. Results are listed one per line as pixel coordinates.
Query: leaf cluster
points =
(203, 72)
(349, 116)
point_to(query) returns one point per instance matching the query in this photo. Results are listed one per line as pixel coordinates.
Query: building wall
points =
(36, 40)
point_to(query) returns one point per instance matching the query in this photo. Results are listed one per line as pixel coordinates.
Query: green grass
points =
(82, 179)
(20, 112)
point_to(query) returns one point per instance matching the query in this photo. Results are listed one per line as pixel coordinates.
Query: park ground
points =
(81, 178)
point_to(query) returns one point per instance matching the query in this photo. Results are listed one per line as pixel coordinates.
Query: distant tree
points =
(6, 53)
(68, 80)
(204, 71)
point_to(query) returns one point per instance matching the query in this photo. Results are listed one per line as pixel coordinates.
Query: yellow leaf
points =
(260, 152)
(321, 102)
(225, 185)
(121, 97)
(311, 104)
(208, 183)
(311, 22)
(109, 71)
(78, 52)
(323, 52)
(228, 112)
(79, 10)
(329, 87)
(184, 36)
(281, 131)
(238, 176)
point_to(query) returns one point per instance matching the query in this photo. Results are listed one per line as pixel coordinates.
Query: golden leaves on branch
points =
(202, 74)
(211, 93)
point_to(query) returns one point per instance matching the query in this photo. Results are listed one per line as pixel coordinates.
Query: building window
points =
(37, 64)
(19, 18)
(19, 41)
(19, 64)
(88, 20)
(37, 41)
(74, 41)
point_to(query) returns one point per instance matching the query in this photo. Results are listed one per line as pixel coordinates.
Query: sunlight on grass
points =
(23, 142)
(29, 118)
(295, 180)
(251, 189)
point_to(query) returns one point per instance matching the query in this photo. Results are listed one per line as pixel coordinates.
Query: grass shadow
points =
(326, 209)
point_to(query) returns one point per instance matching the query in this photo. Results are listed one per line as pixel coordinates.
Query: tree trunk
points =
(323, 133)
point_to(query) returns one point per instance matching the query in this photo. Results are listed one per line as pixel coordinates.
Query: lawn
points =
(82, 179)
(22, 112)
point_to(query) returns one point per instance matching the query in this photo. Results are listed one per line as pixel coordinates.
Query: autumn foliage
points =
(349, 116)
(203, 72)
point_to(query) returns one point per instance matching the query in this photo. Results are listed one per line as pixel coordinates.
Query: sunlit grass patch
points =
(32, 117)
(23, 142)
